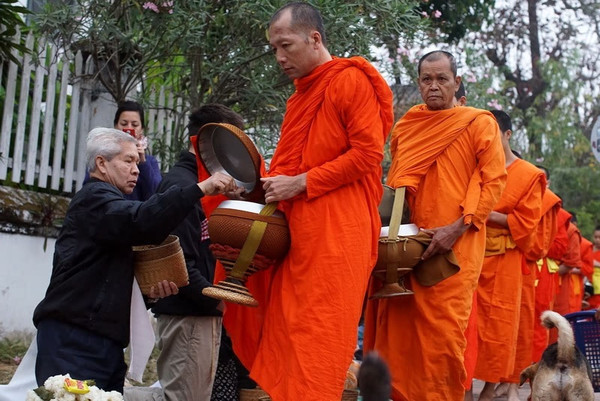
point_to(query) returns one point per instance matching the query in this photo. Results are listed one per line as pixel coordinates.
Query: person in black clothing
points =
(83, 320)
(189, 323)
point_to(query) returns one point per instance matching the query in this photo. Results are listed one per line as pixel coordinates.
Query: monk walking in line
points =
(326, 175)
(547, 280)
(506, 284)
(532, 276)
(437, 150)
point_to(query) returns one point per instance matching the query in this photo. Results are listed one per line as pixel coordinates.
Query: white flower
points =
(56, 384)
(32, 396)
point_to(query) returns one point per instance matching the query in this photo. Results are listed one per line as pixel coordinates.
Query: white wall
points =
(24, 275)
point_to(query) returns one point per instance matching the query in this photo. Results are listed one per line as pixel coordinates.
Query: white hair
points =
(105, 142)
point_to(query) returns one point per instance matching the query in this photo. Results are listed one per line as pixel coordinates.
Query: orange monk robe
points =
(594, 300)
(547, 274)
(334, 130)
(563, 300)
(421, 336)
(587, 270)
(500, 282)
(470, 358)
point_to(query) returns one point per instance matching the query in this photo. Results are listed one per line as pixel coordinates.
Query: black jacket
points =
(92, 272)
(199, 260)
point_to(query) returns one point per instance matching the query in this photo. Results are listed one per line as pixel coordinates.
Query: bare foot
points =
(513, 392)
(469, 395)
(501, 389)
(487, 393)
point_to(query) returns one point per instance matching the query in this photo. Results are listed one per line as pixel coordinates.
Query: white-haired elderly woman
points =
(83, 320)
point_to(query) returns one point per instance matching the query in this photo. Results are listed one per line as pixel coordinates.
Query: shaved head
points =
(305, 18)
(438, 55)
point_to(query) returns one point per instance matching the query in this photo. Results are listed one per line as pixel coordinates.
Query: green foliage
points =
(454, 19)
(10, 21)
(11, 348)
(579, 189)
(212, 50)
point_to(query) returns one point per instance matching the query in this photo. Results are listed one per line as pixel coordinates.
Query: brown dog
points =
(563, 373)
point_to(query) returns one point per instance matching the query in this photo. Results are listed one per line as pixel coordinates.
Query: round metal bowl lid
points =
(227, 149)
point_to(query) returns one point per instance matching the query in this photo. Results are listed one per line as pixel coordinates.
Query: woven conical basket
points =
(154, 263)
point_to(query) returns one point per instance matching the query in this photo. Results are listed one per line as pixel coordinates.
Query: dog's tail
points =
(566, 341)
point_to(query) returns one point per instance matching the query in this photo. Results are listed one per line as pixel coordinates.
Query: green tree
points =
(10, 21)
(539, 62)
(215, 50)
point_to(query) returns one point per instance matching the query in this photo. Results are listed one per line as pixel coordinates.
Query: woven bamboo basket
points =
(350, 395)
(154, 263)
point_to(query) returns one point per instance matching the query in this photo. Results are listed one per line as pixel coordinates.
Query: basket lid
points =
(246, 206)
(227, 149)
(404, 230)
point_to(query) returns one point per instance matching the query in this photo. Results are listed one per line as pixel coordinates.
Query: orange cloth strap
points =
(420, 137)
(497, 241)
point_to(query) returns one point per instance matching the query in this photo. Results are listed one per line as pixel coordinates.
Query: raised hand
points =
(218, 183)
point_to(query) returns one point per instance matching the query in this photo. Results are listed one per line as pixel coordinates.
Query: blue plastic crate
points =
(587, 337)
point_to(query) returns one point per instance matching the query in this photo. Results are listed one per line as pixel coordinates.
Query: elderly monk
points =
(506, 285)
(326, 176)
(437, 150)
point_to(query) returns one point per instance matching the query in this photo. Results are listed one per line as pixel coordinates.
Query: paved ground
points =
(523, 391)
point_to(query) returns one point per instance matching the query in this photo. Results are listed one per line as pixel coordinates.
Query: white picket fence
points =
(42, 143)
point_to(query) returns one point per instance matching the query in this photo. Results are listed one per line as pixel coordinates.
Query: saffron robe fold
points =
(500, 282)
(421, 336)
(305, 329)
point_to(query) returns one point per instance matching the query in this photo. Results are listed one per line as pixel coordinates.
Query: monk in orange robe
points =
(568, 281)
(436, 149)
(511, 229)
(545, 233)
(594, 300)
(547, 273)
(326, 176)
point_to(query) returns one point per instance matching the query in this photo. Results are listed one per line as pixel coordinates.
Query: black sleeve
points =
(139, 223)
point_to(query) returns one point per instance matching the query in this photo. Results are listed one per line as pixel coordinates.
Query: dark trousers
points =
(64, 348)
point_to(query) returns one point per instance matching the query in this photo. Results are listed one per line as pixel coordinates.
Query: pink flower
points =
(168, 5)
(490, 91)
(150, 6)
(424, 14)
(470, 78)
(403, 51)
(17, 359)
(494, 104)
(437, 14)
